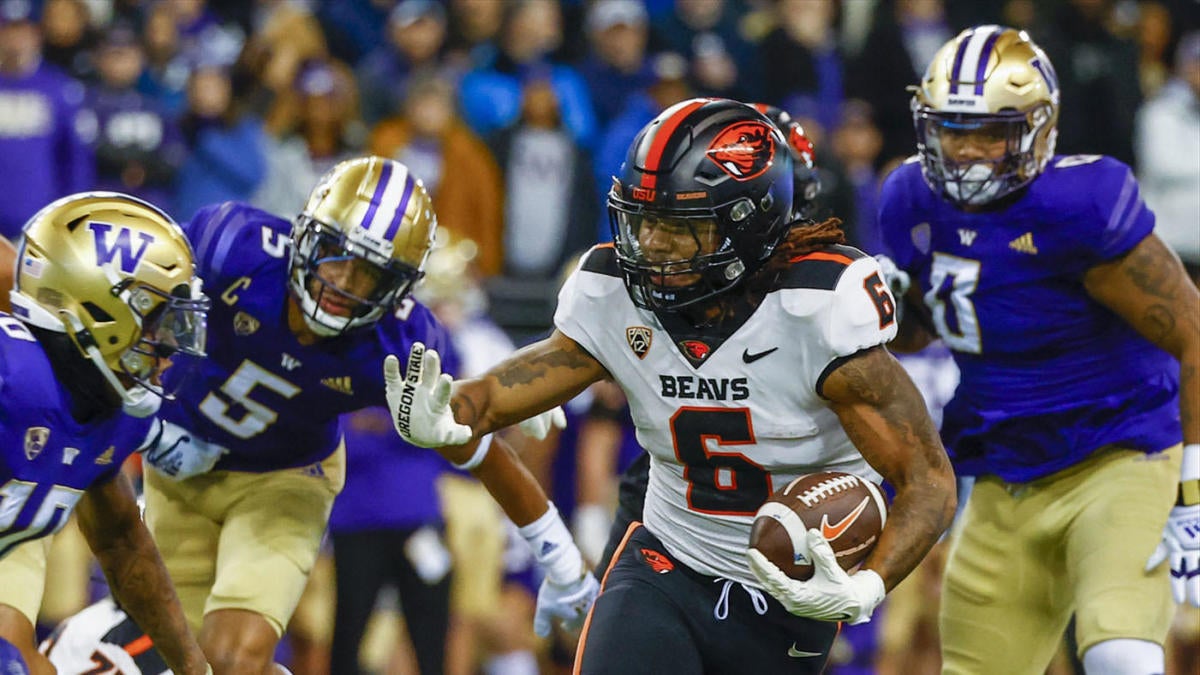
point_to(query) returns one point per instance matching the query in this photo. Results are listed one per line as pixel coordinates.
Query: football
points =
(850, 512)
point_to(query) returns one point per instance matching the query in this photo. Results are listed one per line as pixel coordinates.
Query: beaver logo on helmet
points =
(743, 150)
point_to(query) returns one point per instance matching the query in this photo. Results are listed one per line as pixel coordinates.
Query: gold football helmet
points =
(995, 84)
(374, 214)
(118, 277)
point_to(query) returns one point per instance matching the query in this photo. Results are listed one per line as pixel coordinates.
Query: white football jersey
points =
(728, 420)
(101, 638)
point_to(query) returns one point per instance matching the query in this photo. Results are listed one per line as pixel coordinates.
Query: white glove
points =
(591, 524)
(897, 279)
(177, 454)
(830, 595)
(1181, 545)
(569, 603)
(568, 590)
(539, 426)
(420, 402)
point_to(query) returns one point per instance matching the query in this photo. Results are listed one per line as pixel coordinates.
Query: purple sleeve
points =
(1119, 210)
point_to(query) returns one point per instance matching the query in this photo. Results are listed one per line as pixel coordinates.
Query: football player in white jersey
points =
(750, 348)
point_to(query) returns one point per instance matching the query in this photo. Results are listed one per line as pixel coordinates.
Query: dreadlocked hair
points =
(803, 238)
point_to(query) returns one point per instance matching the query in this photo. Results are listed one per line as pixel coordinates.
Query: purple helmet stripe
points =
(377, 196)
(984, 57)
(958, 57)
(398, 216)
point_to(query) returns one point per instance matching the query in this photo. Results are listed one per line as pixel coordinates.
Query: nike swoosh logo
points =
(831, 532)
(800, 654)
(747, 357)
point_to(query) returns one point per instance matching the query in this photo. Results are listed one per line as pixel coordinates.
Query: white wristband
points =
(485, 444)
(1191, 463)
(553, 547)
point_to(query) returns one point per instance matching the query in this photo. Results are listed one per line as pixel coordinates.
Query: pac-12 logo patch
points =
(35, 441)
(244, 324)
(639, 339)
(743, 150)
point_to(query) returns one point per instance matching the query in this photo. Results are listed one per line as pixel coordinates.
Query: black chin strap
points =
(91, 395)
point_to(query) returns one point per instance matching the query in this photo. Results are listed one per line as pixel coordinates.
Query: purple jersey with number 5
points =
(271, 401)
(1049, 375)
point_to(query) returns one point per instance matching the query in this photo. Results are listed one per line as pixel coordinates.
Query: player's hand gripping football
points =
(1180, 545)
(830, 595)
(419, 400)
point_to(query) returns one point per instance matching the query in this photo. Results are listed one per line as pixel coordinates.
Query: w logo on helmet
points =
(743, 150)
(119, 246)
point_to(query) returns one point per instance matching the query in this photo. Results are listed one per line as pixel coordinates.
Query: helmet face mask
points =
(176, 324)
(359, 245)
(117, 276)
(985, 115)
(672, 260)
(703, 198)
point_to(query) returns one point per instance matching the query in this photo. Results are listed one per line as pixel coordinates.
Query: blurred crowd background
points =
(516, 113)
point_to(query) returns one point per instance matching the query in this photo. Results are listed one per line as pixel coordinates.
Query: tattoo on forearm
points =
(540, 366)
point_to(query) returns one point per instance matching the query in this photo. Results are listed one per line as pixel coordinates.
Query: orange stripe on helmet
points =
(665, 130)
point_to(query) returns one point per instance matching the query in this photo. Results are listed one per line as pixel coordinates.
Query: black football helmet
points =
(706, 166)
(804, 160)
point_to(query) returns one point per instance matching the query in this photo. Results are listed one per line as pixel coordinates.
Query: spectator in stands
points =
(326, 131)
(353, 27)
(549, 195)
(69, 38)
(856, 143)
(416, 34)
(805, 61)
(138, 145)
(455, 164)
(617, 61)
(166, 73)
(894, 55)
(473, 28)
(708, 34)
(490, 94)
(1154, 34)
(289, 37)
(42, 156)
(1098, 66)
(1168, 148)
(226, 145)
